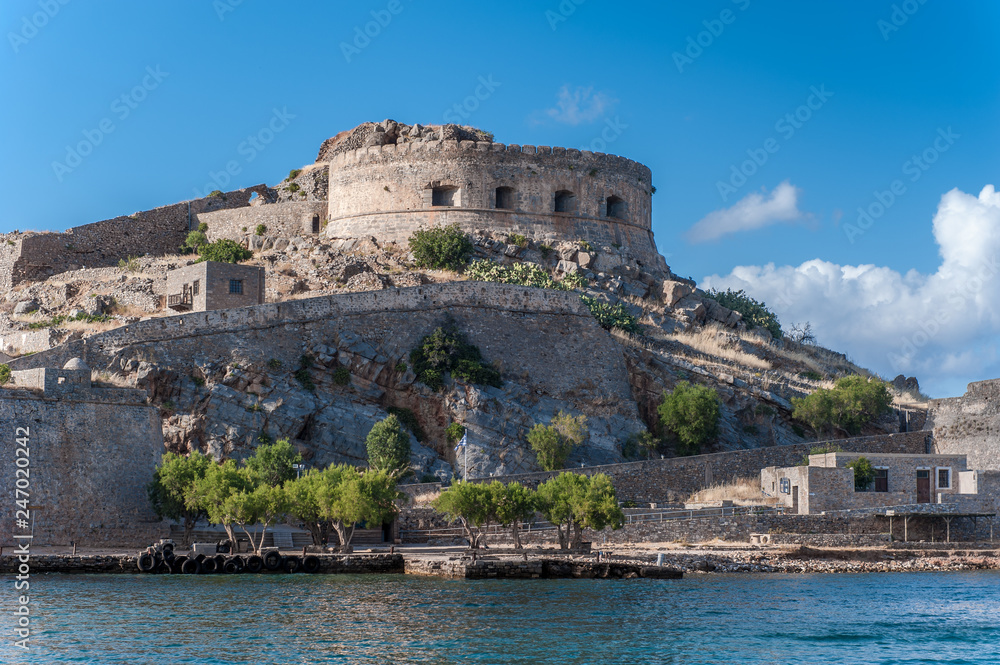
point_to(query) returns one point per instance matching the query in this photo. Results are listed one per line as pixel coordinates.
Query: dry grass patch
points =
(713, 341)
(742, 492)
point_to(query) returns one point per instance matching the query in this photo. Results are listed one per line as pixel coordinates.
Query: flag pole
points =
(465, 434)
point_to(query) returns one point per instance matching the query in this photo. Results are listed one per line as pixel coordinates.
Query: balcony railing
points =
(179, 301)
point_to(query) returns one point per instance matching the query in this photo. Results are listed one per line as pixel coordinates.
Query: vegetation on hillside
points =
(852, 403)
(388, 447)
(223, 250)
(755, 313)
(554, 442)
(691, 414)
(441, 248)
(445, 351)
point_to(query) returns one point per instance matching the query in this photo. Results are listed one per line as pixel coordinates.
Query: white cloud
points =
(943, 328)
(580, 105)
(753, 211)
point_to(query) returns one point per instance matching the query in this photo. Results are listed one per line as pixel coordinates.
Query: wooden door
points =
(923, 486)
(795, 499)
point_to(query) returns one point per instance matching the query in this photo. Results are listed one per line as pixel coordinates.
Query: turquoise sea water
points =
(886, 618)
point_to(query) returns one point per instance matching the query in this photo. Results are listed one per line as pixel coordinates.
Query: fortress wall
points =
(89, 465)
(656, 480)
(529, 331)
(18, 342)
(382, 191)
(969, 425)
(159, 231)
(285, 220)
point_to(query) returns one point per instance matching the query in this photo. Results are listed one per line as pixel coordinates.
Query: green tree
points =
(196, 239)
(554, 442)
(388, 447)
(754, 312)
(347, 497)
(473, 505)
(213, 491)
(263, 504)
(573, 502)
(224, 250)
(513, 504)
(303, 504)
(864, 473)
(691, 413)
(852, 403)
(171, 491)
(271, 464)
(442, 248)
(5, 373)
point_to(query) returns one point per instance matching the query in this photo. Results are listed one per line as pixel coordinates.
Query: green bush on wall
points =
(442, 248)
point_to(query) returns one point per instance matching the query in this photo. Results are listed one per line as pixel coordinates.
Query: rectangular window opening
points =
(236, 286)
(881, 480)
(944, 478)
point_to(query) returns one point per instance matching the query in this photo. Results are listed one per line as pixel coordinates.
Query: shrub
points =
(302, 374)
(198, 381)
(342, 376)
(640, 444)
(521, 274)
(274, 363)
(409, 420)
(4, 373)
(755, 313)
(852, 403)
(454, 433)
(554, 442)
(811, 375)
(203, 227)
(612, 316)
(864, 473)
(294, 187)
(443, 248)
(196, 239)
(691, 413)
(293, 174)
(260, 230)
(131, 264)
(224, 251)
(446, 350)
(217, 194)
(517, 239)
(545, 250)
(401, 367)
(388, 446)
(585, 245)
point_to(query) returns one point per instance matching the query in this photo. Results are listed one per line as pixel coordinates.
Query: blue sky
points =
(692, 89)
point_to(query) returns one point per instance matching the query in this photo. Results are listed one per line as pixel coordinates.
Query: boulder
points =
(906, 384)
(566, 267)
(691, 309)
(606, 262)
(671, 292)
(634, 289)
(25, 307)
(585, 259)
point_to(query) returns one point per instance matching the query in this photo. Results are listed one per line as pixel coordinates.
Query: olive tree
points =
(554, 442)
(171, 491)
(573, 502)
(472, 504)
(513, 504)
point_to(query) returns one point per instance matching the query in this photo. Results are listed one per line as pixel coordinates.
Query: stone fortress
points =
(222, 381)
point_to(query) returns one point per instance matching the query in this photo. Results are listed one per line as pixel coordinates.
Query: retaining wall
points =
(969, 425)
(652, 481)
(284, 220)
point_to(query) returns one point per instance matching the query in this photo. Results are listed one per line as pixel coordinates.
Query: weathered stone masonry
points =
(390, 191)
(91, 457)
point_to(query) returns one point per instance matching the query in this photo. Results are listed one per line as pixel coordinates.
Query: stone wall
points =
(284, 220)
(386, 191)
(654, 480)
(36, 256)
(89, 463)
(19, 342)
(969, 425)
(530, 330)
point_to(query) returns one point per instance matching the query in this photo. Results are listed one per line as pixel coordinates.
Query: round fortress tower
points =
(546, 194)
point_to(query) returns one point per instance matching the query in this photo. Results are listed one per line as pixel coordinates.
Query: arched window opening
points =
(445, 196)
(617, 207)
(505, 198)
(565, 201)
